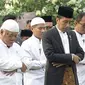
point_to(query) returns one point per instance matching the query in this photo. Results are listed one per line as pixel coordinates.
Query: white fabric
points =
(37, 20)
(65, 41)
(9, 61)
(80, 67)
(10, 25)
(81, 40)
(35, 61)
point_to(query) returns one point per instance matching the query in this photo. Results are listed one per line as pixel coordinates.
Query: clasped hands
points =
(75, 59)
(10, 73)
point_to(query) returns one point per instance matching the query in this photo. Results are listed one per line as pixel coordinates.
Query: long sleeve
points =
(9, 58)
(54, 52)
(30, 57)
(9, 64)
(53, 48)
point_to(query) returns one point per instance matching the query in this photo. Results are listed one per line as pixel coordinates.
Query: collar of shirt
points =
(37, 39)
(60, 30)
(81, 39)
(64, 39)
(82, 36)
(78, 33)
(3, 43)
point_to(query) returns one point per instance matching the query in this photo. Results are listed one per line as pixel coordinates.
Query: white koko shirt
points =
(10, 59)
(35, 61)
(80, 66)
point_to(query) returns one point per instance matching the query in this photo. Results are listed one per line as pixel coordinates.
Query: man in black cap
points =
(25, 34)
(48, 21)
(9, 16)
(62, 51)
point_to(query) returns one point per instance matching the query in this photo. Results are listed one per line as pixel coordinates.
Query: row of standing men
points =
(60, 53)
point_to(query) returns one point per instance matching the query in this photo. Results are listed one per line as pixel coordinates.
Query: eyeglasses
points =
(41, 27)
(82, 24)
(11, 34)
(48, 27)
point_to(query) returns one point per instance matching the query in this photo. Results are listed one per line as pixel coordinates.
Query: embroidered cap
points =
(10, 25)
(37, 20)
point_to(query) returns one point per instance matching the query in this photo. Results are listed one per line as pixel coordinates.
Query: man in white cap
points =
(10, 57)
(35, 60)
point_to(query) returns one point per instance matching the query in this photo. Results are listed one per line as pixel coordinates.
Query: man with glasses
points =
(10, 55)
(36, 59)
(79, 29)
(62, 51)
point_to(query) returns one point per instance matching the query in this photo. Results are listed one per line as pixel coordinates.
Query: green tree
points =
(41, 7)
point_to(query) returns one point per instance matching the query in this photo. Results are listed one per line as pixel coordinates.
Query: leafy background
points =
(41, 7)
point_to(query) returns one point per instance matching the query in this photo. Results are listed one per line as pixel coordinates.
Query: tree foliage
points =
(41, 7)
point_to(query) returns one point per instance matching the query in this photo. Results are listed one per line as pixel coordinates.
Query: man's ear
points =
(1, 31)
(75, 22)
(31, 28)
(57, 19)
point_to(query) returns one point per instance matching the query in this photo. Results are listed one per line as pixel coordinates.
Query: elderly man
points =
(10, 56)
(35, 60)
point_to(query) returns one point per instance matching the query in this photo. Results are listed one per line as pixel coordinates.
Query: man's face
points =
(81, 25)
(24, 38)
(63, 23)
(49, 25)
(8, 37)
(38, 30)
(28, 26)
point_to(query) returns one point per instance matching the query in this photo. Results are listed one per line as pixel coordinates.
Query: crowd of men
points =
(43, 53)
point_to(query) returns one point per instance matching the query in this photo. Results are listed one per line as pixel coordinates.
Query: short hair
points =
(28, 21)
(80, 16)
(9, 16)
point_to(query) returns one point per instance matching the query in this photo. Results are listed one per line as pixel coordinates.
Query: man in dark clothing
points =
(62, 51)
(48, 21)
(25, 34)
